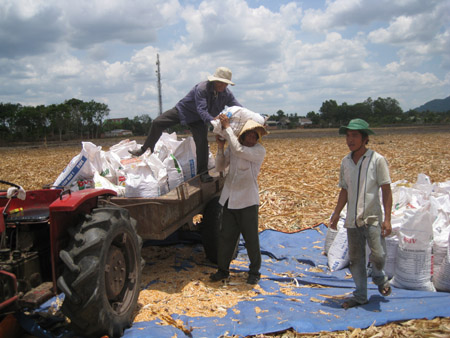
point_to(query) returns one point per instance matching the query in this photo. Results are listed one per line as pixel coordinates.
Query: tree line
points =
(76, 119)
(379, 112)
(70, 120)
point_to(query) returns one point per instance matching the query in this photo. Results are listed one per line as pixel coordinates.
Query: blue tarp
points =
(296, 260)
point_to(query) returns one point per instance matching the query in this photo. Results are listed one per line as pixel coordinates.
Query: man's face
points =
(220, 86)
(354, 140)
(250, 138)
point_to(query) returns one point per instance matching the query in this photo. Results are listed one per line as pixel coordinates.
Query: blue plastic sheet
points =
(296, 260)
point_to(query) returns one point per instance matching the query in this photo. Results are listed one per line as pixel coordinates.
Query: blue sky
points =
(288, 55)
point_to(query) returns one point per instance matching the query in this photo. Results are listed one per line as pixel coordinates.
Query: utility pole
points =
(158, 75)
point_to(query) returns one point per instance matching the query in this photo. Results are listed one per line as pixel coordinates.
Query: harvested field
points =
(299, 176)
(298, 189)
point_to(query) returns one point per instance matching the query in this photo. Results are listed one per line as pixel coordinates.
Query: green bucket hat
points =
(356, 124)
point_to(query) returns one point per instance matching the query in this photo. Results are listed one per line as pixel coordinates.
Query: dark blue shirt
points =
(204, 103)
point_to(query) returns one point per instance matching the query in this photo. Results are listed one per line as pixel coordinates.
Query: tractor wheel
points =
(102, 273)
(210, 227)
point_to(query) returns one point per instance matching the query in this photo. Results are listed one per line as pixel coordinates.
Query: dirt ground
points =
(298, 188)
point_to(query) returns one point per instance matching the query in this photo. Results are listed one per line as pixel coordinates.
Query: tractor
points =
(87, 245)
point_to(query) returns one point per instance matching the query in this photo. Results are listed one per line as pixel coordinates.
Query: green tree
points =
(387, 110)
(330, 112)
(7, 115)
(314, 117)
(141, 124)
(92, 115)
(75, 107)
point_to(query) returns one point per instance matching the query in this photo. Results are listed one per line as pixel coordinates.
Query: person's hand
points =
(220, 142)
(224, 121)
(334, 221)
(386, 228)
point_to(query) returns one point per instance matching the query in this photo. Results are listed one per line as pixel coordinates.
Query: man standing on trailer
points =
(199, 107)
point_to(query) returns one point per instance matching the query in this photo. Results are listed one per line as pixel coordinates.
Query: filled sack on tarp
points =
(331, 233)
(441, 280)
(413, 262)
(391, 255)
(79, 167)
(237, 116)
(338, 252)
(440, 206)
(329, 238)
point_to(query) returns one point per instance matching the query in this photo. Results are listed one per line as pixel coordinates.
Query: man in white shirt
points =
(363, 174)
(240, 196)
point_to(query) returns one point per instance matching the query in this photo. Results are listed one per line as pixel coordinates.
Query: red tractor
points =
(54, 241)
(87, 245)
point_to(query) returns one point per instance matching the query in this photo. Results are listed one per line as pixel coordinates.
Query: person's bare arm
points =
(386, 227)
(342, 201)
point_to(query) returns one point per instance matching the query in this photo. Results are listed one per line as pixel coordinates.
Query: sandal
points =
(352, 302)
(385, 289)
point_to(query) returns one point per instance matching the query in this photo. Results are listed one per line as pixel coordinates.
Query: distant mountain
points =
(438, 106)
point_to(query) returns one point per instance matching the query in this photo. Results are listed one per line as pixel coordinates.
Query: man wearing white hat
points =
(201, 105)
(240, 196)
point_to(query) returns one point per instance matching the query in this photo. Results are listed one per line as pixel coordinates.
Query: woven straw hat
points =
(252, 125)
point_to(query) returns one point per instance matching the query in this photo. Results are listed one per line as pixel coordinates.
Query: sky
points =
(284, 55)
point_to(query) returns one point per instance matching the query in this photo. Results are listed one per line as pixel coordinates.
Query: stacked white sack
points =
(237, 116)
(149, 175)
(420, 228)
(442, 279)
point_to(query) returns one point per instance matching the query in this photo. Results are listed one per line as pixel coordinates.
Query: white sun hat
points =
(222, 74)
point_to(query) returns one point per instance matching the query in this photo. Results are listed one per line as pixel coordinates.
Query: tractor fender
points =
(71, 202)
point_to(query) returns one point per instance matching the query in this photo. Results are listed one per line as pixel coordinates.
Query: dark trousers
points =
(235, 222)
(199, 131)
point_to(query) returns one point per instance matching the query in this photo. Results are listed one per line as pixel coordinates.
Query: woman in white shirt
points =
(240, 196)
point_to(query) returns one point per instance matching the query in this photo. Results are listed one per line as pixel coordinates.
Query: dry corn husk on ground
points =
(298, 189)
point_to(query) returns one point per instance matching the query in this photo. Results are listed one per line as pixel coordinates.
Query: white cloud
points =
(288, 57)
(339, 14)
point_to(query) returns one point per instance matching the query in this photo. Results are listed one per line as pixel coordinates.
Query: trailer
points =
(193, 206)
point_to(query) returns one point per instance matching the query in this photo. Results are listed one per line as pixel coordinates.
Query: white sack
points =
(121, 148)
(79, 167)
(102, 182)
(185, 153)
(174, 172)
(443, 187)
(159, 172)
(168, 140)
(141, 184)
(413, 262)
(329, 239)
(391, 255)
(338, 253)
(82, 184)
(106, 169)
(442, 278)
(237, 116)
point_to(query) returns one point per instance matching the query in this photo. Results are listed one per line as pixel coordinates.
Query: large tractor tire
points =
(102, 273)
(210, 227)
